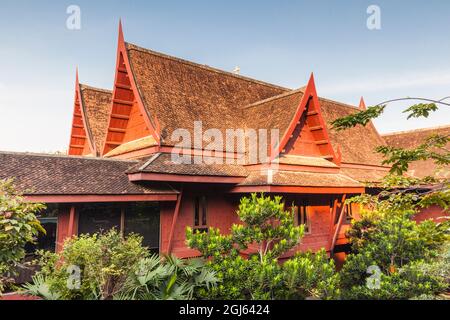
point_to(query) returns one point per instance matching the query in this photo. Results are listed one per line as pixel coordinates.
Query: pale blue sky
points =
(276, 41)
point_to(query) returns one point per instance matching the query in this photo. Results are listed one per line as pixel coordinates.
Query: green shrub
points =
(113, 267)
(18, 226)
(408, 254)
(247, 261)
(168, 278)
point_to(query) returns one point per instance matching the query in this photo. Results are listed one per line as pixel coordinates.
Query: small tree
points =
(391, 256)
(401, 255)
(247, 260)
(429, 190)
(18, 226)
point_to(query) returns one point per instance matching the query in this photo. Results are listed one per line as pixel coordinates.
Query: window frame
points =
(200, 216)
(299, 210)
(348, 214)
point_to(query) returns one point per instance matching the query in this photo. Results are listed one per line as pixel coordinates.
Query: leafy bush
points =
(18, 226)
(113, 267)
(247, 261)
(406, 253)
(168, 278)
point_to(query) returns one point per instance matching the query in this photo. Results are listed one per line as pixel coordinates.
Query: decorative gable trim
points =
(81, 141)
(309, 108)
(125, 98)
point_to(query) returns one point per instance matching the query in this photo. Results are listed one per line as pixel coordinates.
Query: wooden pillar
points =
(338, 226)
(174, 222)
(122, 221)
(333, 216)
(72, 223)
(67, 225)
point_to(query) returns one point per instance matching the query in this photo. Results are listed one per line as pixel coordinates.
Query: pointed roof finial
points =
(362, 104)
(311, 84)
(121, 37)
(77, 79)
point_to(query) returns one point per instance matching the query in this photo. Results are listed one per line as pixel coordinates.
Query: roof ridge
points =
(339, 103)
(63, 156)
(85, 86)
(415, 130)
(280, 96)
(150, 161)
(131, 46)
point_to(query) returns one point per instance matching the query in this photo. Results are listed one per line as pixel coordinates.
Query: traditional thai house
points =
(124, 170)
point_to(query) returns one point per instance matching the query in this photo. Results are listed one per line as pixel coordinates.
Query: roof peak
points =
(339, 103)
(415, 130)
(280, 96)
(131, 46)
(85, 86)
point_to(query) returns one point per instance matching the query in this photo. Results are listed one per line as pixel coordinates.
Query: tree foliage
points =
(364, 116)
(401, 249)
(248, 260)
(405, 259)
(18, 226)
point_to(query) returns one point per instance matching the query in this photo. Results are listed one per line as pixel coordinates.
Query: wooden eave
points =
(298, 190)
(100, 198)
(163, 177)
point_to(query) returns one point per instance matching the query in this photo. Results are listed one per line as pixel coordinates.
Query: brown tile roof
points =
(365, 175)
(162, 163)
(179, 92)
(300, 179)
(40, 174)
(306, 161)
(412, 139)
(273, 113)
(97, 104)
(357, 144)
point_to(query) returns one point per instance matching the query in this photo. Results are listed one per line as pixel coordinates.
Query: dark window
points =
(143, 219)
(348, 214)
(303, 218)
(49, 221)
(95, 218)
(200, 214)
(139, 218)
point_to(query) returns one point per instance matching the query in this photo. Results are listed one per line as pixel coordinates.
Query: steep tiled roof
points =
(40, 174)
(357, 144)
(365, 175)
(179, 92)
(273, 113)
(96, 103)
(162, 163)
(306, 161)
(300, 179)
(412, 139)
